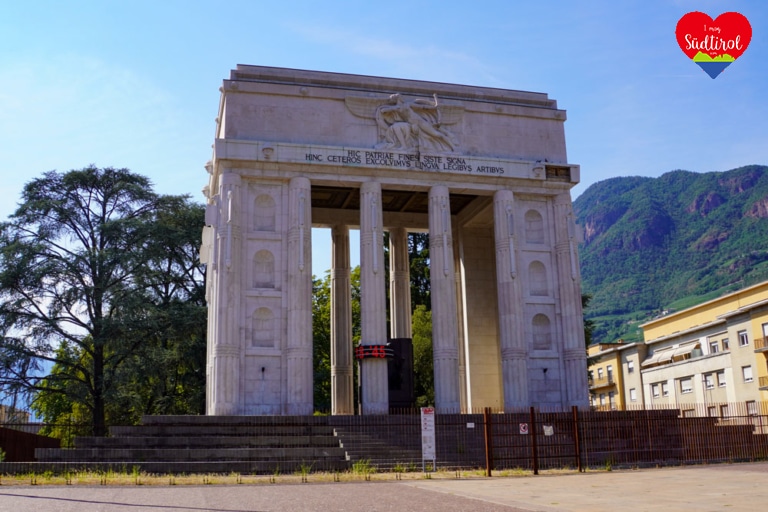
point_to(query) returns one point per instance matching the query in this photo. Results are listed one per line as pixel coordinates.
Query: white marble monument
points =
(483, 171)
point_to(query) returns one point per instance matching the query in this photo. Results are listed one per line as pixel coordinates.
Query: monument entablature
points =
(484, 171)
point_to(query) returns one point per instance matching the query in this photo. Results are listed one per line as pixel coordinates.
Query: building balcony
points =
(761, 344)
(601, 382)
(764, 383)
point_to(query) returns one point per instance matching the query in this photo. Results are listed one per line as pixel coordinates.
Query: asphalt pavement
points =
(731, 487)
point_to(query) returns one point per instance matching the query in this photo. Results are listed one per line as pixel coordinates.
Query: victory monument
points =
(484, 171)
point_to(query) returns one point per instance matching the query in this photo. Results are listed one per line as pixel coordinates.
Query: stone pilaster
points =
(226, 349)
(508, 288)
(299, 298)
(573, 349)
(445, 343)
(399, 284)
(342, 392)
(373, 312)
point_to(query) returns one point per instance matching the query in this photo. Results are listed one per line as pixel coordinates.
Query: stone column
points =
(569, 285)
(373, 304)
(373, 371)
(299, 298)
(226, 349)
(342, 392)
(399, 284)
(445, 343)
(514, 368)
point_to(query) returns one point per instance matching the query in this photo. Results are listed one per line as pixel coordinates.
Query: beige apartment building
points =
(614, 375)
(711, 358)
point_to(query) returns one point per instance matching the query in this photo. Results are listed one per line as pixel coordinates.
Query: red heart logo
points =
(713, 44)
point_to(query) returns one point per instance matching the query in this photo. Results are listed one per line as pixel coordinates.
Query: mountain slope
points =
(670, 242)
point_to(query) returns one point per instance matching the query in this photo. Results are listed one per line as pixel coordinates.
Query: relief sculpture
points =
(406, 125)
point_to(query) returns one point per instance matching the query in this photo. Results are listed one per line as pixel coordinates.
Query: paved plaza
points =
(732, 487)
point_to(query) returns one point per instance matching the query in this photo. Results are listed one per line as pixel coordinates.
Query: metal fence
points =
(529, 439)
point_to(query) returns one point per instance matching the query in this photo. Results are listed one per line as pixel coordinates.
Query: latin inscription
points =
(404, 161)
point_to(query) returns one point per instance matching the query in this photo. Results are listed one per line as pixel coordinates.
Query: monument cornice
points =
(364, 83)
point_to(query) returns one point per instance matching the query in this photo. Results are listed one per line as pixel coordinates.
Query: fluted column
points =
(399, 284)
(342, 393)
(508, 288)
(445, 343)
(299, 297)
(574, 351)
(373, 305)
(226, 349)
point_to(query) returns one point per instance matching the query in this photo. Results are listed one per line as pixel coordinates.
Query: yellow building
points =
(614, 375)
(713, 354)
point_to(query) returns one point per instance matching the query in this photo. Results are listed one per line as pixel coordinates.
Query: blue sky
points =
(135, 83)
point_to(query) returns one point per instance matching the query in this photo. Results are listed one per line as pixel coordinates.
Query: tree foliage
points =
(321, 334)
(96, 272)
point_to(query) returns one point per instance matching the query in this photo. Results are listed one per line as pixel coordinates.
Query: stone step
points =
(220, 430)
(224, 421)
(285, 467)
(206, 442)
(202, 455)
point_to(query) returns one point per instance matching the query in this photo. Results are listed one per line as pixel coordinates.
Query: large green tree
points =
(92, 278)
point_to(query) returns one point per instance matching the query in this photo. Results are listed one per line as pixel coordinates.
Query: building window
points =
(630, 367)
(724, 411)
(610, 373)
(633, 395)
(655, 390)
(602, 399)
(751, 408)
(599, 374)
(721, 378)
(709, 380)
(686, 385)
(726, 345)
(665, 388)
(712, 411)
(746, 372)
(713, 347)
(743, 339)
(612, 400)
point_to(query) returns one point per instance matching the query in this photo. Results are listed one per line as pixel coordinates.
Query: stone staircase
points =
(202, 444)
(376, 450)
(239, 444)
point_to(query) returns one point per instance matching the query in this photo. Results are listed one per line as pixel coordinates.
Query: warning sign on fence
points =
(524, 428)
(428, 451)
(549, 430)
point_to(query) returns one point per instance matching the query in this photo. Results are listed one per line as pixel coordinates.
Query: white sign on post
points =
(428, 451)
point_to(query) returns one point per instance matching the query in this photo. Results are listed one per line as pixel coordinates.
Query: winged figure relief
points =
(418, 124)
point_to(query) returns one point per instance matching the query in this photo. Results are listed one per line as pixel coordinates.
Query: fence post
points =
(577, 444)
(534, 446)
(488, 441)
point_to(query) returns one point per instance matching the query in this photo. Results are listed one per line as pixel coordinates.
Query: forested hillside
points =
(652, 244)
